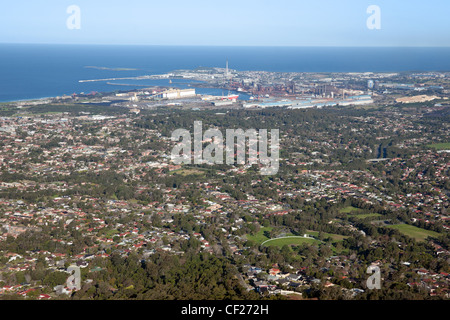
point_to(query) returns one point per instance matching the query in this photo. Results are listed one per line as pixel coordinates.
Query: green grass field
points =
(293, 240)
(259, 237)
(188, 172)
(366, 215)
(290, 239)
(440, 146)
(109, 233)
(349, 209)
(414, 232)
(353, 212)
(335, 237)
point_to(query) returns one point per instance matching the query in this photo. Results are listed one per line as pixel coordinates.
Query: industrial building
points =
(310, 103)
(178, 94)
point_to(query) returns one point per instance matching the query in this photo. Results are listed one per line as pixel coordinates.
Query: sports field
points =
(292, 240)
(289, 238)
(335, 237)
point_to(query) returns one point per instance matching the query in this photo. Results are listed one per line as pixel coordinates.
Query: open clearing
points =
(440, 146)
(414, 232)
(335, 237)
(349, 209)
(259, 237)
(366, 215)
(292, 240)
(188, 172)
(289, 238)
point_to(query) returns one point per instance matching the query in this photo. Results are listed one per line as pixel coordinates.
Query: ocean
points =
(31, 71)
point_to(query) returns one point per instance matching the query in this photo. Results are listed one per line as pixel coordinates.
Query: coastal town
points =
(364, 181)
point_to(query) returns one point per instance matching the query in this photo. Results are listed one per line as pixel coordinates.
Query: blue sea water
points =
(30, 71)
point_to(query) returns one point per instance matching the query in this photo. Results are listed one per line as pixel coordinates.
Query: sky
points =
(228, 23)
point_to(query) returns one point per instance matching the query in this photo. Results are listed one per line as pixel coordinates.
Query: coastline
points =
(31, 72)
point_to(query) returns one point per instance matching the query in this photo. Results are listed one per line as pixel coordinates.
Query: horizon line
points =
(218, 45)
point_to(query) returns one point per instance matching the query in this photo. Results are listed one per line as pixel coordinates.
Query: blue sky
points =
(232, 22)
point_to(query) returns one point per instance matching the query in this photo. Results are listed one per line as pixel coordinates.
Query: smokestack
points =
(226, 72)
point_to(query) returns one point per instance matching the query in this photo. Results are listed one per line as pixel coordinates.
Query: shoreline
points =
(27, 100)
